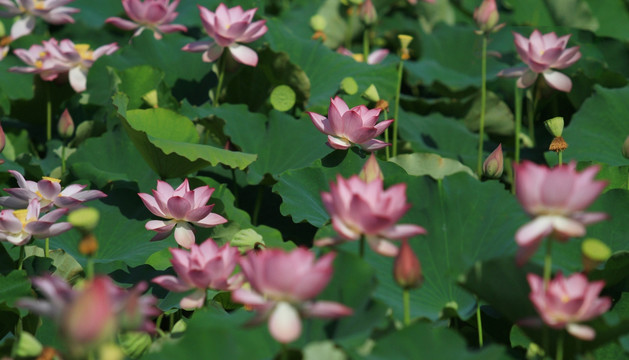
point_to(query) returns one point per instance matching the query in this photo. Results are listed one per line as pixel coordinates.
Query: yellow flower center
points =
(565, 298)
(21, 215)
(84, 51)
(359, 57)
(51, 179)
(40, 4)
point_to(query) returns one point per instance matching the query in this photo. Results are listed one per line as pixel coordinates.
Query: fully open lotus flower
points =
(156, 15)
(569, 301)
(542, 54)
(375, 57)
(282, 287)
(52, 11)
(205, 266)
(49, 193)
(182, 206)
(360, 208)
(345, 126)
(19, 226)
(229, 27)
(556, 198)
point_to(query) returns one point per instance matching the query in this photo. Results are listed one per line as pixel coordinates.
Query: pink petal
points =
(198, 46)
(211, 220)
(213, 52)
(178, 207)
(184, 235)
(321, 123)
(582, 332)
(382, 246)
(527, 79)
(558, 81)
(374, 144)
(377, 56)
(284, 323)
(122, 23)
(248, 297)
(244, 55)
(326, 309)
(401, 231)
(338, 143)
(196, 300)
(171, 283)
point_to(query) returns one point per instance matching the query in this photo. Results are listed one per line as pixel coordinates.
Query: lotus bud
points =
(371, 94)
(247, 239)
(84, 219)
(407, 270)
(554, 126)
(593, 253)
(65, 126)
(494, 164)
(368, 13)
(486, 16)
(625, 147)
(405, 41)
(371, 170)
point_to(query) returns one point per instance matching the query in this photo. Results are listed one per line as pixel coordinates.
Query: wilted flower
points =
(566, 302)
(361, 208)
(229, 27)
(65, 126)
(19, 226)
(182, 206)
(156, 15)
(205, 266)
(48, 191)
(542, 54)
(556, 198)
(487, 16)
(494, 164)
(407, 271)
(345, 126)
(375, 57)
(52, 11)
(282, 286)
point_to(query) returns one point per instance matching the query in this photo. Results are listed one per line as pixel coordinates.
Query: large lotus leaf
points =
(612, 18)
(498, 116)
(443, 50)
(14, 86)
(575, 13)
(326, 69)
(301, 189)
(14, 286)
(436, 133)
(94, 13)
(528, 12)
(467, 221)
(137, 81)
(223, 335)
(598, 130)
(168, 142)
(433, 165)
(424, 341)
(504, 285)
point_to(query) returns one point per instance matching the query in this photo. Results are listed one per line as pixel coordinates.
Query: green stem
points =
(518, 122)
(158, 322)
(559, 353)
(483, 104)
(406, 297)
(548, 262)
(256, 209)
(361, 247)
(89, 268)
(396, 108)
(48, 113)
(386, 139)
(479, 323)
(47, 248)
(285, 355)
(560, 156)
(20, 260)
(366, 44)
(221, 75)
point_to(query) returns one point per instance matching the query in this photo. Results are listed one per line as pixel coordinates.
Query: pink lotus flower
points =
(52, 11)
(376, 56)
(345, 126)
(156, 15)
(542, 54)
(49, 193)
(568, 302)
(19, 226)
(407, 270)
(282, 286)
(229, 27)
(361, 208)
(556, 198)
(203, 267)
(182, 206)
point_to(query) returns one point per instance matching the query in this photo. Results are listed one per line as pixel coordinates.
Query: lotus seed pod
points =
(85, 219)
(593, 253)
(318, 23)
(371, 94)
(554, 126)
(349, 86)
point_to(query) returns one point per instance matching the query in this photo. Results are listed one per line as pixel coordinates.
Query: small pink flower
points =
(407, 270)
(376, 56)
(205, 266)
(556, 198)
(229, 27)
(345, 126)
(19, 226)
(362, 208)
(542, 54)
(282, 287)
(49, 193)
(182, 206)
(156, 15)
(52, 11)
(569, 301)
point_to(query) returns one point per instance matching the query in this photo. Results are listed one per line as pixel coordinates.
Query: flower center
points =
(84, 51)
(52, 179)
(21, 215)
(40, 5)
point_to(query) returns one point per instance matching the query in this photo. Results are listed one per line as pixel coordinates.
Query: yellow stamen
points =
(51, 179)
(84, 51)
(40, 4)
(565, 298)
(39, 64)
(21, 215)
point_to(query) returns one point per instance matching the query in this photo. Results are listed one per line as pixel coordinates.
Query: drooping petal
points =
(194, 300)
(284, 323)
(244, 55)
(184, 235)
(338, 143)
(326, 309)
(171, 283)
(78, 78)
(582, 332)
(558, 81)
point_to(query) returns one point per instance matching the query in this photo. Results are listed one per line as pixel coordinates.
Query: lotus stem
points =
(48, 113)
(406, 298)
(63, 160)
(350, 26)
(89, 268)
(548, 262)
(47, 248)
(560, 156)
(479, 323)
(366, 44)
(559, 353)
(20, 259)
(483, 104)
(396, 108)
(221, 75)
(361, 247)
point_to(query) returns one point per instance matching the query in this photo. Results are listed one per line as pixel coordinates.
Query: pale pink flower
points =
(345, 126)
(156, 15)
(556, 199)
(569, 301)
(52, 11)
(375, 57)
(360, 208)
(49, 192)
(229, 27)
(283, 286)
(204, 267)
(19, 226)
(182, 206)
(39, 62)
(542, 54)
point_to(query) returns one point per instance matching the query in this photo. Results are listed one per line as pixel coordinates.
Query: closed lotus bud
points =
(368, 13)
(486, 15)
(407, 270)
(593, 253)
(405, 41)
(554, 126)
(65, 126)
(494, 164)
(371, 170)
(625, 148)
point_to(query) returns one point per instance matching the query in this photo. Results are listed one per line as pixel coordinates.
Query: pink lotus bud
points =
(371, 170)
(368, 12)
(91, 317)
(486, 16)
(407, 270)
(494, 164)
(65, 126)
